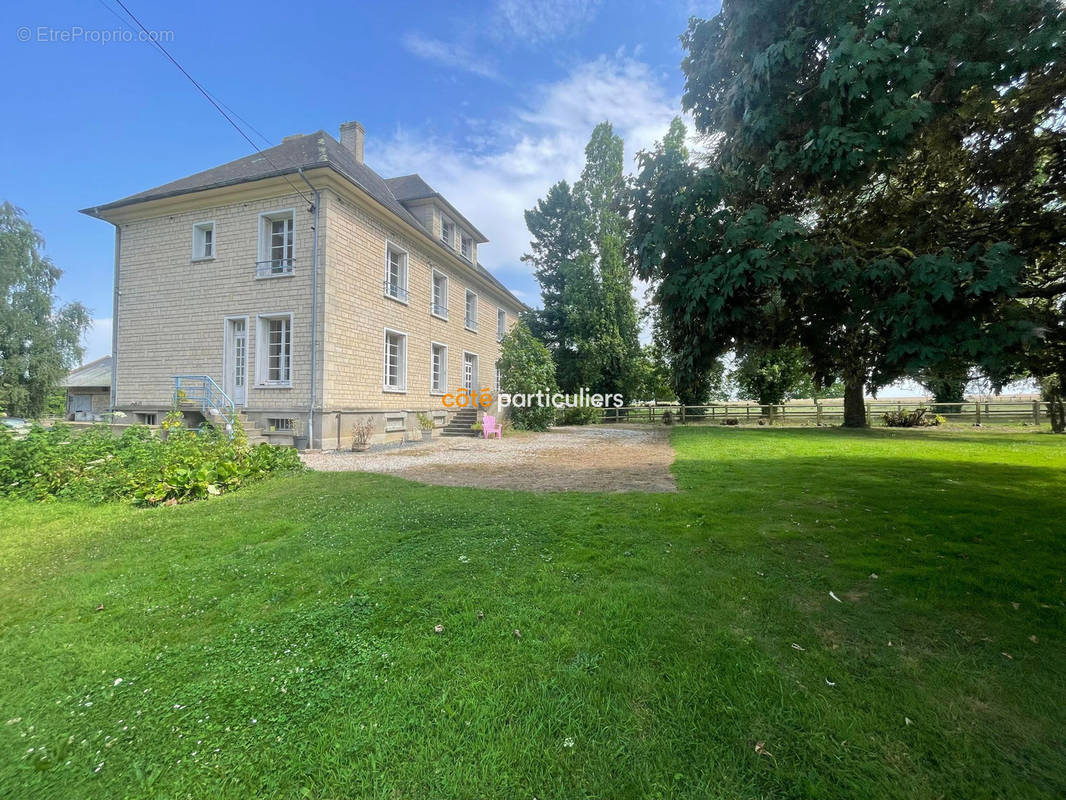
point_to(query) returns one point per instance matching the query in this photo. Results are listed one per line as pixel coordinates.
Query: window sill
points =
(273, 385)
(472, 330)
(439, 316)
(396, 299)
(437, 393)
(393, 390)
(278, 275)
(202, 258)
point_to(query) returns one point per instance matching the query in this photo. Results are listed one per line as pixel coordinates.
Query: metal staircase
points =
(201, 390)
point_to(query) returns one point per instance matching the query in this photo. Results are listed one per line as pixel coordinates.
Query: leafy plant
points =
(424, 421)
(99, 466)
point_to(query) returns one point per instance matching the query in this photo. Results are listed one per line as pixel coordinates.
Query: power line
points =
(218, 105)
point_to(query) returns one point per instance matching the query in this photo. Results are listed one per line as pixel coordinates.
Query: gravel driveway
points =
(583, 459)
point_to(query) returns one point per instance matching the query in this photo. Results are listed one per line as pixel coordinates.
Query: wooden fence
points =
(983, 412)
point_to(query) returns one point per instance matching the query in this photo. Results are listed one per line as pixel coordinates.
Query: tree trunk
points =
(854, 407)
(1056, 410)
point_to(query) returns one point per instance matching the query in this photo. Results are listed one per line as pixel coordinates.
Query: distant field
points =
(817, 613)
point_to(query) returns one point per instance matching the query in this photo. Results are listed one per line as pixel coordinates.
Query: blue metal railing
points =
(202, 390)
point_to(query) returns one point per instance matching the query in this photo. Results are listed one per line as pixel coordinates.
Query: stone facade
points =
(172, 308)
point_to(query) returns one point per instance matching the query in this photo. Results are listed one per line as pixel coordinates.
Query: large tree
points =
(588, 319)
(39, 340)
(853, 205)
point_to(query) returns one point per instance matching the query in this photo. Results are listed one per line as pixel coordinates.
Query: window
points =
(439, 305)
(274, 350)
(283, 424)
(466, 246)
(395, 361)
(447, 231)
(501, 324)
(395, 273)
(438, 369)
(471, 310)
(146, 419)
(470, 378)
(497, 385)
(203, 241)
(275, 245)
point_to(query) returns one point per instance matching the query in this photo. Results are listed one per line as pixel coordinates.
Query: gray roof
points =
(408, 188)
(95, 373)
(306, 152)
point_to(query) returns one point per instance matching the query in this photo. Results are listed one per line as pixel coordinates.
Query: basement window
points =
(281, 424)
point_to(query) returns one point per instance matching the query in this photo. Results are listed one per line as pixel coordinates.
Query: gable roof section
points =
(298, 153)
(95, 373)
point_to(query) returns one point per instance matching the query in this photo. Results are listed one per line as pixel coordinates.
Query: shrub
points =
(578, 415)
(526, 367)
(97, 466)
(911, 419)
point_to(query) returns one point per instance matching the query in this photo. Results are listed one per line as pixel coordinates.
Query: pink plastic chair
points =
(490, 428)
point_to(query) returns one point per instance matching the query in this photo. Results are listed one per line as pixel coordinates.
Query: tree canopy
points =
(589, 318)
(883, 189)
(39, 342)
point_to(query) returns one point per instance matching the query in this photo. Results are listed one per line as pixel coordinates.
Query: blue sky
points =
(491, 102)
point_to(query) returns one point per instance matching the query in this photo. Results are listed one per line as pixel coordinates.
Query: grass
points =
(279, 642)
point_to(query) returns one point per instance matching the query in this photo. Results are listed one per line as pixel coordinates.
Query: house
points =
(88, 390)
(303, 290)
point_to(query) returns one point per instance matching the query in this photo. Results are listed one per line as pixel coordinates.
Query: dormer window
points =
(447, 231)
(466, 246)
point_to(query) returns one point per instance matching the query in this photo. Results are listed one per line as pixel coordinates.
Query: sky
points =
(490, 102)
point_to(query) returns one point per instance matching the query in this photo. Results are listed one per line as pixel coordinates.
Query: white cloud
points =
(97, 340)
(449, 54)
(495, 175)
(535, 21)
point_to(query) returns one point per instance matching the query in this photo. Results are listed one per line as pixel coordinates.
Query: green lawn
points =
(279, 642)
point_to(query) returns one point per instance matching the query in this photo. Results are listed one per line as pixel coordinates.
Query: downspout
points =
(314, 313)
(114, 319)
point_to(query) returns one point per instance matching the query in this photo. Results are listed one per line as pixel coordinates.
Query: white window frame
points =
(474, 377)
(263, 256)
(433, 305)
(466, 246)
(262, 350)
(443, 368)
(498, 375)
(501, 324)
(444, 224)
(402, 296)
(466, 310)
(198, 231)
(402, 370)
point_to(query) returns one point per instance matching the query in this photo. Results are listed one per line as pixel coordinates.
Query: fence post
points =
(682, 413)
(818, 412)
(977, 410)
(747, 412)
(1036, 412)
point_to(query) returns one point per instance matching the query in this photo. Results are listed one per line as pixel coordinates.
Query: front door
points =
(235, 366)
(469, 371)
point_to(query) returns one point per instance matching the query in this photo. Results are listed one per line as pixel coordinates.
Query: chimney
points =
(352, 135)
